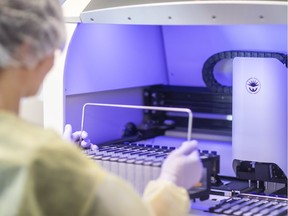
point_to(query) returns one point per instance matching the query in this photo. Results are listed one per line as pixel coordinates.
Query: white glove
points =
(79, 137)
(183, 166)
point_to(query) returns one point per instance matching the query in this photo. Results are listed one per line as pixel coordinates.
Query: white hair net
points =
(36, 23)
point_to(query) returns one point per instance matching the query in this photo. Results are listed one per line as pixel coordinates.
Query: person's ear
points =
(46, 63)
(22, 52)
(35, 75)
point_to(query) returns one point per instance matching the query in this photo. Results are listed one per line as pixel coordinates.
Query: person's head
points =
(30, 30)
(30, 33)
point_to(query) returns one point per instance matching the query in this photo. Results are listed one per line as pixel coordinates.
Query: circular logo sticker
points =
(253, 85)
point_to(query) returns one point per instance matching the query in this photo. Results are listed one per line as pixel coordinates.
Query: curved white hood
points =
(169, 12)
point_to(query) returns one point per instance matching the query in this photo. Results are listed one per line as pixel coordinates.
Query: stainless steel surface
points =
(98, 4)
(185, 12)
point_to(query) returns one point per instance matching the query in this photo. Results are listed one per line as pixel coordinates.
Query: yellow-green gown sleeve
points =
(43, 175)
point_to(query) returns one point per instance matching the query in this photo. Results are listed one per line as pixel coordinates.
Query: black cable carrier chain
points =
(208, 67)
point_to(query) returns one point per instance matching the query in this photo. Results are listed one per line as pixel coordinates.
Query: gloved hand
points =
(81, 138)
(183, 166)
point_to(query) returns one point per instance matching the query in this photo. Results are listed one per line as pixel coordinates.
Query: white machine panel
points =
(260, 111)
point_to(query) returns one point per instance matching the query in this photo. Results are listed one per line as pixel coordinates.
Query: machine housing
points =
(156, 53)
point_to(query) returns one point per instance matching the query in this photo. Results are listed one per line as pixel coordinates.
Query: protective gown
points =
(41, 174)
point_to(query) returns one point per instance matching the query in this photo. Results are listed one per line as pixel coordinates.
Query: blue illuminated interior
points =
(112, 64)
(108, 57)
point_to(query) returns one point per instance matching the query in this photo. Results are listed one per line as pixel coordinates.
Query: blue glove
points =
(79, 137)
(183, 166)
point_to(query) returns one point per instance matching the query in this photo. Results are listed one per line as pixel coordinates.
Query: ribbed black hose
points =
(208, 67)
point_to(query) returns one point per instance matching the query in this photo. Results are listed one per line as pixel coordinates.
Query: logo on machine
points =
(253, 85)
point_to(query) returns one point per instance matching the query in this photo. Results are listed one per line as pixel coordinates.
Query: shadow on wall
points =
(31, 109)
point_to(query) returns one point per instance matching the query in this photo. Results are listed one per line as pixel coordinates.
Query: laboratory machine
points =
(142, 77)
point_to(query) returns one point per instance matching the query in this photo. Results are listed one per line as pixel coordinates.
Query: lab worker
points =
(41, 174)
